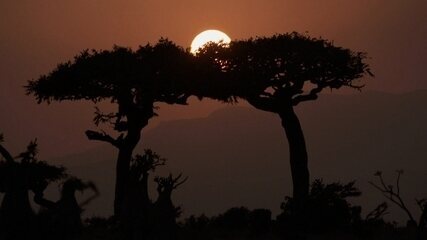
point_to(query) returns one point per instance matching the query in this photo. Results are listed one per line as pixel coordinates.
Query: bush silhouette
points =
(62, 218)
(236, 218)
(327, 208)
(18, 177)
(260, 221)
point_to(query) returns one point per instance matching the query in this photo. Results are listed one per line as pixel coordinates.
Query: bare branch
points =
(392, 195)
(95, 194)
(399, 173)
(378, 212)
(169, 182)
(176, 183)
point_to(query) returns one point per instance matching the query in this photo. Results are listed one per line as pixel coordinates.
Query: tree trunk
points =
(122, 167)
(297, 155)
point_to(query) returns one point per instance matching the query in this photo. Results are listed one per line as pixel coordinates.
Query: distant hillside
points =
(238, 156)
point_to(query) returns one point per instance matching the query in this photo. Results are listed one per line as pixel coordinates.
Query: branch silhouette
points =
(392, 193)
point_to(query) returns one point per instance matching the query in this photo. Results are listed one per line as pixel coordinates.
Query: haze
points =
(37, 35)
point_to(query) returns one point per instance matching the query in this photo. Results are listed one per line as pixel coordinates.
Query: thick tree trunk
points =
(122, 167)
(297, 155)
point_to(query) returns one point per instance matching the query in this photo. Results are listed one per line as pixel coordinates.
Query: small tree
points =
(62, 219)
(139, 213)
(277, 73)
(17, 178)
(327, 208)
(142, 217)
(165, 186)
(139, 173)
(133, 80)
(165, 211)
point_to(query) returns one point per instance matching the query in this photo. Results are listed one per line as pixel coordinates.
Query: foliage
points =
(327, 207)
(34, 171)
(134, 80)
(275, 74)
(142, 164)
(271, 73)
(142, 216)
(18, 176)
(158, 73)
(234, 218)
(285, 68)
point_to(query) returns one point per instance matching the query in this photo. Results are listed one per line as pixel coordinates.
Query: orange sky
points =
(36, 35)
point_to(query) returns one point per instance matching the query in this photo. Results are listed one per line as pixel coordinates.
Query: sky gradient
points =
(37, 35)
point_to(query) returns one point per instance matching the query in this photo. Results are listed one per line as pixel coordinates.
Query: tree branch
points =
(6, 154)
(175, 99)
(307, 97)
(92, 135)
(399, 173)
(262, 103)
(176, 183)
(89, 199)
(40, 200)
(393, 196)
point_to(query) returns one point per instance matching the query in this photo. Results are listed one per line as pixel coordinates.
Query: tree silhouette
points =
(16, 179)
(165, 211)
(143, 217)
(134, 80)
(62, 219)
(328, 208)
(138, 216)
(275, 74)
(140, 169)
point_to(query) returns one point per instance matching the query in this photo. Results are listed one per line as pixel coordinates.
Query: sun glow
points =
(208, 36)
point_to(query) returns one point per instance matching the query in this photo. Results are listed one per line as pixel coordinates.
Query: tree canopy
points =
(283, 69)
(275, 74)
(272, 73)
(134, 80)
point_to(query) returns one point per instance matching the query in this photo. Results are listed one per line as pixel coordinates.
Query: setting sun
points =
(208, 36)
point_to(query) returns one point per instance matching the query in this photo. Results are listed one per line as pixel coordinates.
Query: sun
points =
(208, 36)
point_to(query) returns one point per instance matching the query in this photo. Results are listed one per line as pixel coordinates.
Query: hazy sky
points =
(37, 35)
